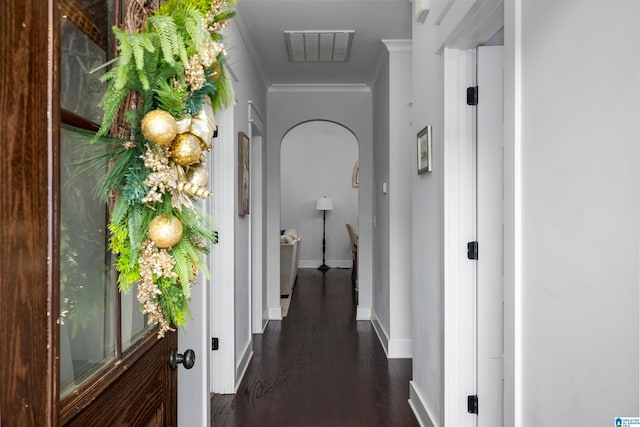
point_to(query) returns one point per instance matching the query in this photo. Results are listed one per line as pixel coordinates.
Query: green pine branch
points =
(196, 30)
(224, 89)
(127, 267)
(139, 218)
(170, 98)
(171, 43)
(110, 103)
(171, 7)
(198, 226)
(119, 212)
(182, 254)
(173, 302)
(134, 189)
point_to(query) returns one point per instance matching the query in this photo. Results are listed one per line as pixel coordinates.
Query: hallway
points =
(319, 367)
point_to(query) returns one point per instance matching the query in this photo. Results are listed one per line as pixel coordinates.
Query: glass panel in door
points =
(89, 303)
(87, 293)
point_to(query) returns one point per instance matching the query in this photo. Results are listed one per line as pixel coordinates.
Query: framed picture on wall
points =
(355, 175)
(244, 171)
(424, 150)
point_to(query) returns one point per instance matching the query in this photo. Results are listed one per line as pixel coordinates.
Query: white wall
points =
(317, 159)
(289, 106)
(381, 132)
(426, 226)
(580, 211)
(394, 159)
(248, 85)
(402, 167)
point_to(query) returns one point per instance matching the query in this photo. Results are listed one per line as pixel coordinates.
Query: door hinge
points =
(472, 95)
(215, 344)
(472, 250)
(472, 404)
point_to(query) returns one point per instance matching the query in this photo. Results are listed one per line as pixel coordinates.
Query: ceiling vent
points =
(319, 46)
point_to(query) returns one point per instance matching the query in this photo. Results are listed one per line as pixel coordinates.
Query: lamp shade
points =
(324, 204)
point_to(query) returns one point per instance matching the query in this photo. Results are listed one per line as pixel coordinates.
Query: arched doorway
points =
(317, 159)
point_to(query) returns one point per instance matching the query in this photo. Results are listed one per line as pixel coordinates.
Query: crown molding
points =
(397, 45)
(289, 88)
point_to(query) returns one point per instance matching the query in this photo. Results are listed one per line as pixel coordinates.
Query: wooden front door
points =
(73, 351)
(137, 390)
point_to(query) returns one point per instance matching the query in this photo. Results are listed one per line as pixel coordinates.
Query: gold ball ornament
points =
(159, 127)
(165, 231)
(185, 149)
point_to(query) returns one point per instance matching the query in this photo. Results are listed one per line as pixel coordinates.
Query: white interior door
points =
(194, 384)
(490, 208)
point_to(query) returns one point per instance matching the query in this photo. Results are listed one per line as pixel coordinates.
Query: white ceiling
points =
(263, 23)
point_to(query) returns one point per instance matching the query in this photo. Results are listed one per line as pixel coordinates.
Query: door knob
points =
(188, 359)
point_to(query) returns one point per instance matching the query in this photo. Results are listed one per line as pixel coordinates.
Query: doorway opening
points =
(317, 160)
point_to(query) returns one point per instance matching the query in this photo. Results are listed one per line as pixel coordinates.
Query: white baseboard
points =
(363, 313)
(394, 348)
(312, 263)
(420, 408)
(265, 323)
(383, 337)
(400, 348)
(243, 364)
(275, 313)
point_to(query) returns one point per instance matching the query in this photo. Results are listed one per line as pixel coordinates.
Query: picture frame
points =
(244, 174)
(423, 143)
(355, 175)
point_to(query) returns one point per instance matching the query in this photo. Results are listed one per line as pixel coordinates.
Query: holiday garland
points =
(163, 89)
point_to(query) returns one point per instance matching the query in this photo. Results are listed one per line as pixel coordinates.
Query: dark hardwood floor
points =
(319, 367)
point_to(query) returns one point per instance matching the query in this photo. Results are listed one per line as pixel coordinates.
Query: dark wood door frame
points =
(29, 134)
(29, 251)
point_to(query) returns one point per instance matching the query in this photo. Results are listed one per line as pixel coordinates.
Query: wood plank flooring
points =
(319, 367)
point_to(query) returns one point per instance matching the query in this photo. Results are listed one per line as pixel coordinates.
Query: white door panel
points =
(193, 384)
